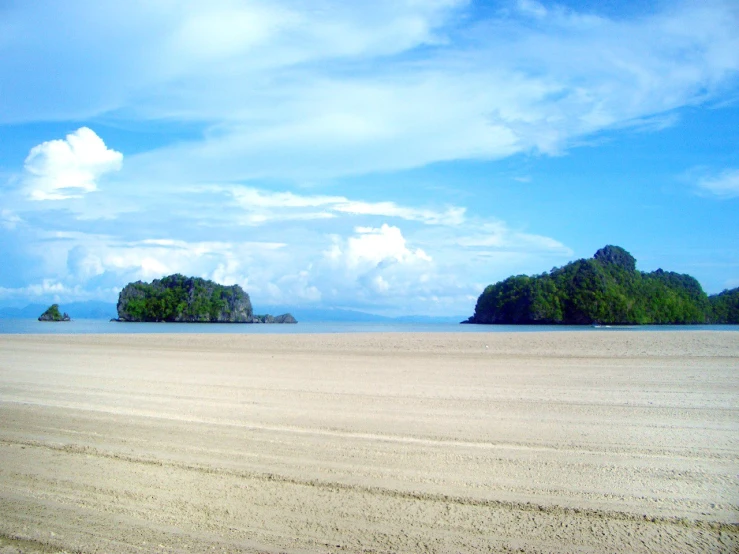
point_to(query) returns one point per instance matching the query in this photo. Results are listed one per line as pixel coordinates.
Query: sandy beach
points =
(607, 441)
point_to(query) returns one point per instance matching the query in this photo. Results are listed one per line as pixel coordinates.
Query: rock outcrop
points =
(177, 298)
(284, 318)
(181, 299)
(53, 314)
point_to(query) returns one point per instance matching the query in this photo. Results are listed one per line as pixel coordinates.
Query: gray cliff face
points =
(284, 318)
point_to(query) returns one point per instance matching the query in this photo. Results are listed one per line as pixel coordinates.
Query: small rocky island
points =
(181, 299)
(53, 314)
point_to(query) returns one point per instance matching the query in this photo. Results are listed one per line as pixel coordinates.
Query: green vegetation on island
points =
(605, 289)
(725, 306)
(177, 298)
(53, 314)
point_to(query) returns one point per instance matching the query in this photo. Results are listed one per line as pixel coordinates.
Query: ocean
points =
(98, 326)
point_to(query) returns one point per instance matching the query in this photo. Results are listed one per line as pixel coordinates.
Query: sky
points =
(393, 157)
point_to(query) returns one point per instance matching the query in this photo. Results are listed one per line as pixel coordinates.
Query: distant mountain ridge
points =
(605, 289)
(338, 315)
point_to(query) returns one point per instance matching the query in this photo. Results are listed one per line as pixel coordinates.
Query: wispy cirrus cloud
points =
(9, 220)
(722, 185)
(498, 236)
(151, 60)
(263, 206)
(287, 90)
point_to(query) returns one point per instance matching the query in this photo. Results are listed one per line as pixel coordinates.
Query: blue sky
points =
(393, 157)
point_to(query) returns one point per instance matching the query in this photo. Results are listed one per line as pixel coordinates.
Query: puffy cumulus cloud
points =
(83, 264)
(70, 167)
(369, 262)
(49, 290)
(372, 261)
(97, 266)
(299, 286)
(374, 246)
(153, 258)
(392, 269)
(723, 185)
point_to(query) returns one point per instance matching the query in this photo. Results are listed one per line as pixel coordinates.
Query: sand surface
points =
(605, 441)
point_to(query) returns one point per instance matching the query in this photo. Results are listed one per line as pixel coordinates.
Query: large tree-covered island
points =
(177, 298)
(605, 289)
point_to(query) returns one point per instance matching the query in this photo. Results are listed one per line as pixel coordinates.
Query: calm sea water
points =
(91, 326)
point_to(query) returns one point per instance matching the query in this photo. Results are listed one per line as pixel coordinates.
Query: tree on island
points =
(53, 314)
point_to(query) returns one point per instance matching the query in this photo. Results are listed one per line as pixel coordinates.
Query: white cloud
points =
(266, 206)
(86, 260)
(532, 8)
(512, 87)
(68, 168)
(250, 198)
(9, 220)
(47, 288)
(451, 216)
(378, 268)
(372, 261)
(289, 93)
(82, 264)
(302, 91)
(162, 62)
(723, 185)
(210, 33)
(372, 246)
(379, 284)
(498, 236)
(369, 261)
(151, 258)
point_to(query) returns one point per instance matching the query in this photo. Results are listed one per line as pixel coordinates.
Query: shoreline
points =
(92, 327)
